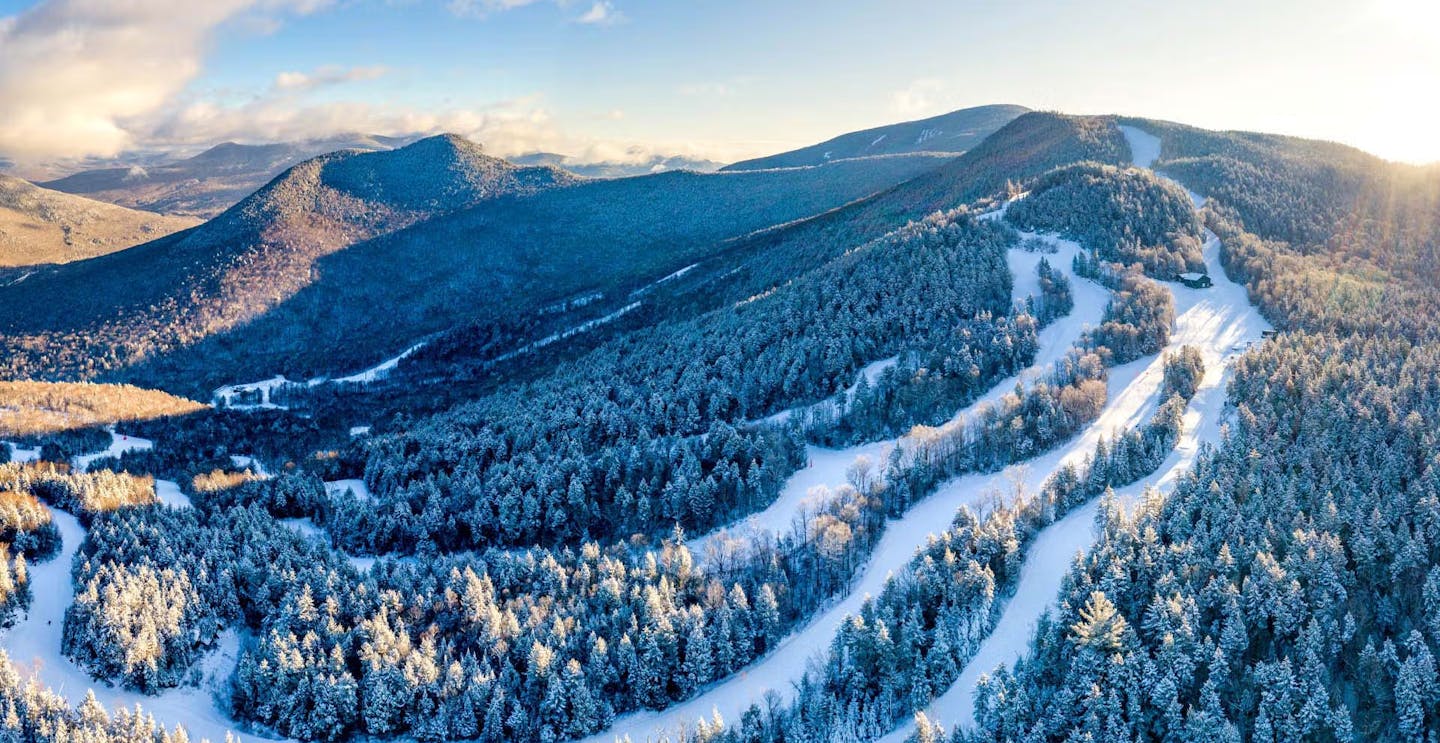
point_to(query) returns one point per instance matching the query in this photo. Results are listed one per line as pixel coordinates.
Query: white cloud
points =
(325, 76)
(919, 97)
(75, 74)
(601, 13)
(484, 8)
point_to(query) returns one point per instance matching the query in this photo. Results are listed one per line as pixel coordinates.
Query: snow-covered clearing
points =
(826, 467)
(225, 396)
(307, 528)
(1221, 323)
(168, 491)
(244, 462)
(22, 455)
(356, 488)
(119, 444)
(1144, 147)
(34, 646)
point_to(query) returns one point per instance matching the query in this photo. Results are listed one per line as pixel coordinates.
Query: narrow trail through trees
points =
(1219, 322)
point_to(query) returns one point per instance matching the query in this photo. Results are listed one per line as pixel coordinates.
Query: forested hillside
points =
(587, 501)
(357, 246)
(590, 611)
(1289, 583)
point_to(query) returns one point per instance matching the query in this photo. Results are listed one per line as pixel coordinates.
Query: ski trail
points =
(1220, 322)
(119, 444)
(1132, 396)
(826, 467)
(33, 644)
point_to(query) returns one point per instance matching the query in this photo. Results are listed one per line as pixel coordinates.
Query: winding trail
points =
(826, 467)
(1132, 392)
(1220, 322)
(33, 644)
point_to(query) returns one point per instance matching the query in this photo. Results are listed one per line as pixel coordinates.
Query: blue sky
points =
(621, 78)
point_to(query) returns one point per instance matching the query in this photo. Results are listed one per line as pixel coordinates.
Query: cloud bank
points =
(75, 75)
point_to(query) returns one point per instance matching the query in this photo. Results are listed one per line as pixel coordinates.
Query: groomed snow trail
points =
(1132, 392)
(34, 647)
(119, 444)
(1220, 322)
(826, 467)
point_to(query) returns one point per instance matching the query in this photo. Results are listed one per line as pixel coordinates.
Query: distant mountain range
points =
(39, 226)
(954, 132)
(210, 182)
(648, 166)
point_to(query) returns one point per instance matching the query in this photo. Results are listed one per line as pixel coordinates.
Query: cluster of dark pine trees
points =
(1090, 204)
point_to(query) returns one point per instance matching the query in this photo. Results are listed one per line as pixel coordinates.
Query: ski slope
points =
(1132, 393)
(119, 444)
(33, 644)
(825, 468)
(1220, 322)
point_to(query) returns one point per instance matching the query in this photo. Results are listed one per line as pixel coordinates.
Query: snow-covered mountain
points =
(953, 132)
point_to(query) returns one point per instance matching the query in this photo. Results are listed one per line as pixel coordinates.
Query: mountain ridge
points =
(952, 132)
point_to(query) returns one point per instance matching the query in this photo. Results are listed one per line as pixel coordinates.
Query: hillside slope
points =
(116, 309)
(953, 132)
(39, 226)
(352, 255)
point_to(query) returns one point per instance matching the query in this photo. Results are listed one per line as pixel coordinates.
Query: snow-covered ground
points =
(306, 527)
(224, 396)
(119, 444)
(22, 455)
(168, 491)
(583, 327)
(669, 277)
(1220, 322)
(244, 461)
(827, 467)
(34, 646)
(380, 370)
(356, 488)
(1144, 147)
